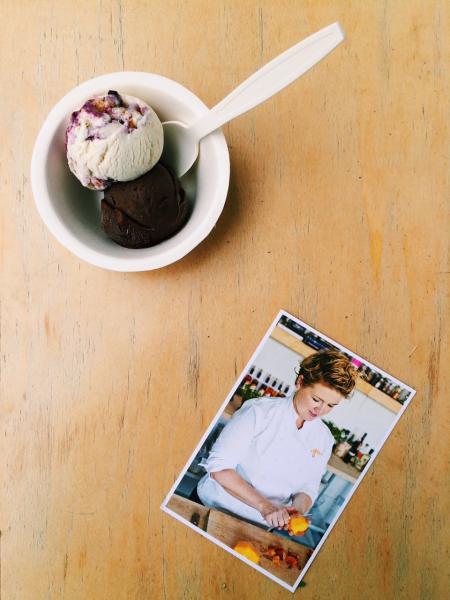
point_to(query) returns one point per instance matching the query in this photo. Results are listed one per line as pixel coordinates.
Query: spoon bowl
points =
(180, 147)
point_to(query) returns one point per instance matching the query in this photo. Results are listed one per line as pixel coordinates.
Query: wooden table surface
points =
(337, 212)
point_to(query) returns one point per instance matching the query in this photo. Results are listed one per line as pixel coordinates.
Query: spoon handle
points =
(270, 79)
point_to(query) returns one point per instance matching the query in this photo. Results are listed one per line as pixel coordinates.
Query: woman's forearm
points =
(236, 485)
(302, 502)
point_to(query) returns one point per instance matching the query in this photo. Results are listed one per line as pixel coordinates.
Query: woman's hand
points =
(302, 502)
(276, 516)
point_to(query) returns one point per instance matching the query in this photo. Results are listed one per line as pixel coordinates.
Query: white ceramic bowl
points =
(72, 213)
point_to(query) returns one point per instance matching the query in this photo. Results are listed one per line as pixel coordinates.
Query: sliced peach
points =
(291, 561)
(298, 525)
(248, 550)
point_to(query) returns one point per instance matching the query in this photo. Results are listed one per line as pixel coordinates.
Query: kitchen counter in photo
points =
(345, 470)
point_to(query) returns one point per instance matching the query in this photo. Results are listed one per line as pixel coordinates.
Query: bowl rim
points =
(41, 193)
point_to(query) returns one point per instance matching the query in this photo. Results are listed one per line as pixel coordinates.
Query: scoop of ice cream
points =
(113, 138)
(146, 211)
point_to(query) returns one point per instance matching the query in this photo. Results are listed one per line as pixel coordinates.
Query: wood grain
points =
(337, 212)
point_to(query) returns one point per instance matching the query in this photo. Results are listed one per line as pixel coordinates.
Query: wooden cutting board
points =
(230, 530)
(197, 514)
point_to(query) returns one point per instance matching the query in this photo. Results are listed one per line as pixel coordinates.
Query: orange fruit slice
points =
(298, 525)
(248, 550)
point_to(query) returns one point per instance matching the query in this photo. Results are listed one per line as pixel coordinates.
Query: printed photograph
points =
(287, 449)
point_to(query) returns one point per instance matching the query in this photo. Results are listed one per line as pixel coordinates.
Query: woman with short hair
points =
(269, 459)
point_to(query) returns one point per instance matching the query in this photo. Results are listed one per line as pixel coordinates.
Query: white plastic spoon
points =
(181, 141)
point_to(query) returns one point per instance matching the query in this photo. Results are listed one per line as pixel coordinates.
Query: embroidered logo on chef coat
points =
(316, 452)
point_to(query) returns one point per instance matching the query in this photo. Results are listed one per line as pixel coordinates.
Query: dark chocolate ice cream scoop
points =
(145, 211)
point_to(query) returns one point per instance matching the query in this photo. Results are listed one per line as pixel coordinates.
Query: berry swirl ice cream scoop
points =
(113, 138)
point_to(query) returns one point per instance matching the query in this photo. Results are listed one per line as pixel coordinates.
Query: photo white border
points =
(283, 313)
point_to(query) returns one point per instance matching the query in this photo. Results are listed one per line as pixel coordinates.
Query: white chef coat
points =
(262, 443)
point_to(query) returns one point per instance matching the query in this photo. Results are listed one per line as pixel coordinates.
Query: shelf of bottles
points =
(257, 383)
(351, 448)
(370, 382)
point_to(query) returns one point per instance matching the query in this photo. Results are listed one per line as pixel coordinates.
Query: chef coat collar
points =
(295, 415)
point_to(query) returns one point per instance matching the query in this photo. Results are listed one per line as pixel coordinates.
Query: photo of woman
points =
(269, 460)
(295, 436)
